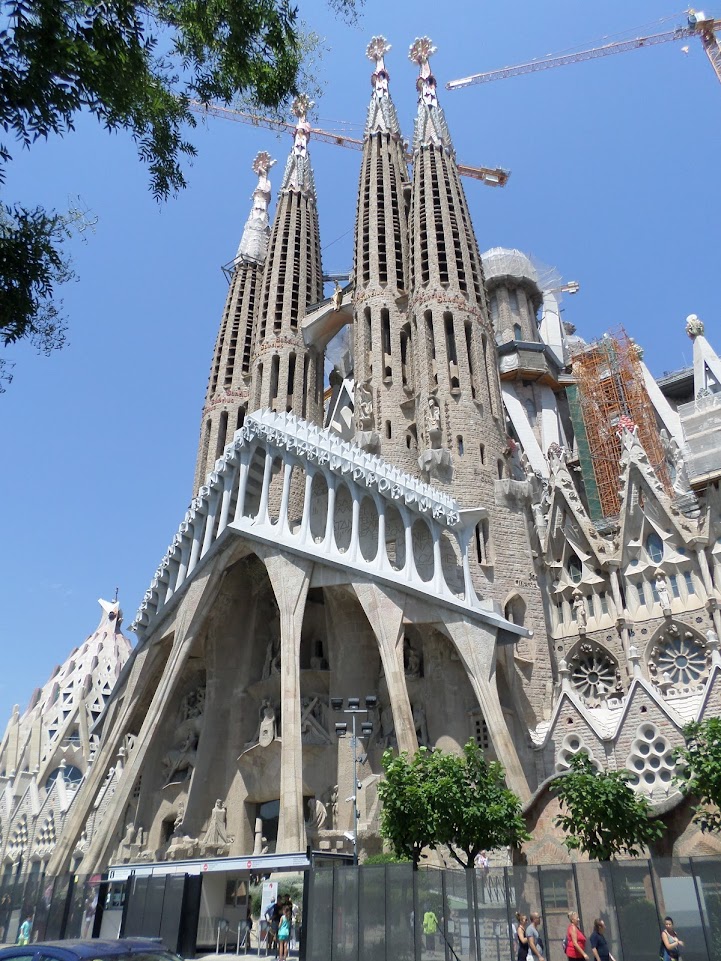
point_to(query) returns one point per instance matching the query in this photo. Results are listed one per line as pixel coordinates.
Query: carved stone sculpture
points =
(662, 590)
(411, 659)
(272, 658)
(421, 725)
(317, 816)
(677, 463)
(267, 728)
(313, 723)
(579, 606)
(434, 423)
(330, 799)
(180, 759)
(216, 841)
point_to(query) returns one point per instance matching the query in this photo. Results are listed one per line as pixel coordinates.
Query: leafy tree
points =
(601, 814)
(435, 798)
(135, 65)
(409, 820)
(476, 811)
(699, 772)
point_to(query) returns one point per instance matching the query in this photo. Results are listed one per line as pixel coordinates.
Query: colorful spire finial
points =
(376, 50)
(421, 51)
(262, 164)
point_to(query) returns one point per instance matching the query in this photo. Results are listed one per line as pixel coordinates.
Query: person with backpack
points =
(533, 935)
(671, 944)
(574, 944)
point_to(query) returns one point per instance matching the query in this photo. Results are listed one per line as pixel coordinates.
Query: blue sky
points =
(614, 182)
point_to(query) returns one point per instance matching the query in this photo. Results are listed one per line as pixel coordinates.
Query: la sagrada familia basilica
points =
(487, 525)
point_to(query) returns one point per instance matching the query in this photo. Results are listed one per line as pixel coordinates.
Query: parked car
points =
(125, 949)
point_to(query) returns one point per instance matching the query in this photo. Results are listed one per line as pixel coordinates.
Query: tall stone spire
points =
(226, 400)
(384, 412)
(458, 396)
(286, 374)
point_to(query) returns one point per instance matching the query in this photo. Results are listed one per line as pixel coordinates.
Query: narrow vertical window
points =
(388, 429)
(482, 452)
(469, 354)
(222, 433)
(386, 337)
(274, 374)
(451, 351)
(291, 376)
(459, 443)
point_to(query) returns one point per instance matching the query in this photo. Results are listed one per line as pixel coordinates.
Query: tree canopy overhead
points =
(135, 65)
(601, 814)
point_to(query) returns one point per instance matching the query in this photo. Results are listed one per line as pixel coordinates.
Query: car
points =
(94, 949)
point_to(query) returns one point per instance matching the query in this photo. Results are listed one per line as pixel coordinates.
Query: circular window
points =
(654, 547)
(575, 571)
(680, 658)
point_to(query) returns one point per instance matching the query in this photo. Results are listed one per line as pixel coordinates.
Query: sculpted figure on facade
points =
(317, 816)
(216, 840)
(662, 590)
(365, 408)
(330, 799)
(313, 721)
(421, 725)
(271, 664)
(267, 731)
(677, 464)
(579, 606)
(411, 659)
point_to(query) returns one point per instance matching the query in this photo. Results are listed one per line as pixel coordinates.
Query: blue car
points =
(125, 949)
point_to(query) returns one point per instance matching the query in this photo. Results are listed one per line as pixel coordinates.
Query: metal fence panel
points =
(637, 913)
(318, 926)
(677, 896)
(372, 907)
(402, 915)
(345, 914)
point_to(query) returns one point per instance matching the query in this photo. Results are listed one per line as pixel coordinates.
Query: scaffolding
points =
(610, 386)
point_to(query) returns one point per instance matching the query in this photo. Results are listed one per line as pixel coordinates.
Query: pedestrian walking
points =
(430, 929)
(521, 922)
(533, 935)
(599, 945)
(671, 944)
(575, 941)
(25, 930)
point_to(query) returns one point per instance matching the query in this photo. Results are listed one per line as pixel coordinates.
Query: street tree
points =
(134, 65)
(699, 771)
(601, 814)
(409, 816)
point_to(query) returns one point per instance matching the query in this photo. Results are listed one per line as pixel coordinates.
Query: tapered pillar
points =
(290, 578)
(384, 610)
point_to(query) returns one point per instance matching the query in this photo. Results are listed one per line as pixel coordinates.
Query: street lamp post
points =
(341, 729)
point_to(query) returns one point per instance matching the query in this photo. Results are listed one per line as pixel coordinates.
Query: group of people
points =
(281, 918)
(576, 945)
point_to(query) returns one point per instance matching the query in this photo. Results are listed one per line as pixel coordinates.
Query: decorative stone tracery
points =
(572, 745)
(651, 762)
(679, 659)
(594, 673)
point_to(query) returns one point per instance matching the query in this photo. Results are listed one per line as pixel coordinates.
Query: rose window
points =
(651, 762)
(680, 658)
(594, 672)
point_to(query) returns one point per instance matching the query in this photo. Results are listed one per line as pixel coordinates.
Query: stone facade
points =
(437, 546)
(46, 752)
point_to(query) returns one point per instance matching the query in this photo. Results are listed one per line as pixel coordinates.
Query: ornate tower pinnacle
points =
(298, 173)
(382, 117)
(287, 375)
(226, 400)
(254, 242)
(430, 127)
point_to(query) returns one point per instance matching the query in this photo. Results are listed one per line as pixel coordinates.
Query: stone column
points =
(290, 579)
(384, 610)
(476, 645)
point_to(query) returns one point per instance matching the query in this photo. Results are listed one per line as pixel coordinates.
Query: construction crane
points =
(699, 25)
(492, 176)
